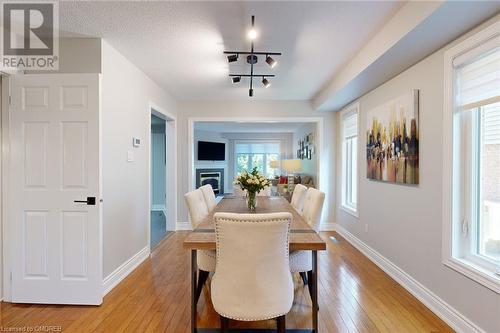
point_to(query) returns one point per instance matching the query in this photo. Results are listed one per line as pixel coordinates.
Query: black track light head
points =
(271, 62)
(232, 58)
(250, 92)
(265, 82)
(236, 79)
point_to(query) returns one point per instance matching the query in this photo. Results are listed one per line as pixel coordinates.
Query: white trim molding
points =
(119, 274)
(170, 207)
(453, 225)
(322, 165)
(443, 310)
(351, 109)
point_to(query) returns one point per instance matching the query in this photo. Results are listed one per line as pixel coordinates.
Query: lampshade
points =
(291, 166)
(274, 164)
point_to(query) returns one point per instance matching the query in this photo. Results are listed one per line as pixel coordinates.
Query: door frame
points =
(171, 167)
(6, 248)
(322, 165)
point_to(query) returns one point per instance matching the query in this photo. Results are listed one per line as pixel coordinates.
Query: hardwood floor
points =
(354, 296)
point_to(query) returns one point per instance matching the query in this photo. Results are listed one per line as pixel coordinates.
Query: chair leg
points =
(309, 285)
(224, 324)
(202, 278)
(281, 324)
(304, 277)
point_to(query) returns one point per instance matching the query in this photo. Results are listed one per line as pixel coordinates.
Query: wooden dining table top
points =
(302, 236)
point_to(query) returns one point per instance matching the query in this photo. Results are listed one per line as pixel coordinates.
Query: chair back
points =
(313, 205)
(197, 206)
(208, 193)
(252, 279)
(298, 197)
(239, 192)
(266, 192)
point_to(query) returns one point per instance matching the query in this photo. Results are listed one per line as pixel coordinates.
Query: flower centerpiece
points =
(253, 183)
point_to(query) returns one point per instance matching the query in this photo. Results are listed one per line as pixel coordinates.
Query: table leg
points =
(194, 271)
(315, 290)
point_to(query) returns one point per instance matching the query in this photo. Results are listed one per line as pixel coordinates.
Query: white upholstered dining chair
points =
(250, 246)
(209, 195)
(206, 259)
(301, 261)
(239, 192)
(298, 197)
(266, 192)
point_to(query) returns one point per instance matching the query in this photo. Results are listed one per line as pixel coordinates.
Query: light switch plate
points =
(130, 156)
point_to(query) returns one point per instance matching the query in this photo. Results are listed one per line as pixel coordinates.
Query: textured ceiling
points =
(180, 44)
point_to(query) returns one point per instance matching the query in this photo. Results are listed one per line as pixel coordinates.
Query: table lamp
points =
(274, 165)
(291, 166)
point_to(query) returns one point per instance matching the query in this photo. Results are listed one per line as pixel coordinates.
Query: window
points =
(350, 159)
(256, 154)
(471, 232)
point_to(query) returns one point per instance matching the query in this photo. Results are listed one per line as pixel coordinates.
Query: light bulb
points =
(252, 34)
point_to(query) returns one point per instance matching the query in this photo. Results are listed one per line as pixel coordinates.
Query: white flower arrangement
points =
(252, 182)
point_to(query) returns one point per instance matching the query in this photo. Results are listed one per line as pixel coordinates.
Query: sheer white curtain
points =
(250, 154)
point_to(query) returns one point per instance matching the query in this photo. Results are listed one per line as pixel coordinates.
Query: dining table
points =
(302, 237)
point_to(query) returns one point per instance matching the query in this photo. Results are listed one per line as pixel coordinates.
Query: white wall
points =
(80, 55)
(252, 110)
(126, 94)
(209, 136)
(404, 222)
(309, 167)
(77, 55)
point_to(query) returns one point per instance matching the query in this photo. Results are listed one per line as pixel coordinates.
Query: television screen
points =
(211, 151)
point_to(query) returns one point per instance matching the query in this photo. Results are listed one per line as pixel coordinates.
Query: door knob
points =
(90, 201)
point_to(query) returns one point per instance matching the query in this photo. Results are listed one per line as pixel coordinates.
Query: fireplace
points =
(214, 177)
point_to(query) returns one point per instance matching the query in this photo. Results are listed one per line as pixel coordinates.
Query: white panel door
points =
(56, 242)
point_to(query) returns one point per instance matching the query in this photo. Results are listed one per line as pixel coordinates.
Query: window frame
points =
(260, 141)
(457, 216)
(346, 164)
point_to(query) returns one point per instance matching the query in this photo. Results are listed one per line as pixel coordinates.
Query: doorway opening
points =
(162, 215)
(272, 145)
(158, 180)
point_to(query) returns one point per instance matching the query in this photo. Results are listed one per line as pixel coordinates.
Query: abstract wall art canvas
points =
(392, 140)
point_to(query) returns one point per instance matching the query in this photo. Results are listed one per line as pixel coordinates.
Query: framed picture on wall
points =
(393, 140)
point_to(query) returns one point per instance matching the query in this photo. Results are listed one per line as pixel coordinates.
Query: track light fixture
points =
(265, 82)
(270, 61)
(252, 58)
(232, 58)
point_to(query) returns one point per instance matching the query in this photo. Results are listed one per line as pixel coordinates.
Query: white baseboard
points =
(327, 226)
(183, 225)
(159, 208)
(113, 279)
(443, 310)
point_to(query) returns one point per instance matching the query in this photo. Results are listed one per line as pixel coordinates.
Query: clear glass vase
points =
(251, 201)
